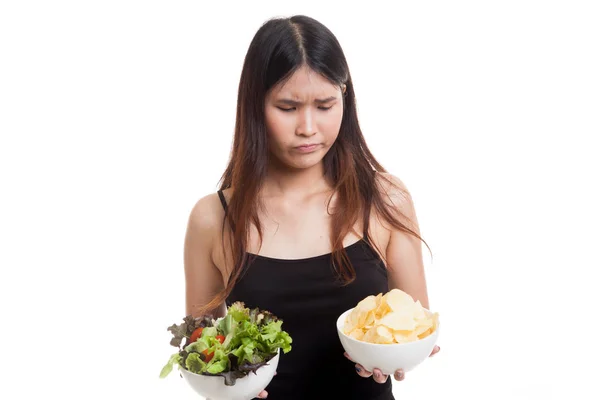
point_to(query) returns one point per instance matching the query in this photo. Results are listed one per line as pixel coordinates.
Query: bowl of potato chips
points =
(389, 331)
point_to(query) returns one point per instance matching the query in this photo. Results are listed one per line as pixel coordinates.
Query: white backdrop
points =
(117, 116)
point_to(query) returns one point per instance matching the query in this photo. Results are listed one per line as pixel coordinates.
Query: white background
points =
(117, 116)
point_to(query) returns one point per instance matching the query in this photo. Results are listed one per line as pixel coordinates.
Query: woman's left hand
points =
(379, 376)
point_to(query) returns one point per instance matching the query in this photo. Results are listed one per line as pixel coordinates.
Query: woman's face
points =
(305, 111)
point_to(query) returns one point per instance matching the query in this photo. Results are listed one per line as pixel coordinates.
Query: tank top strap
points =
(224, 203)
(365, 236)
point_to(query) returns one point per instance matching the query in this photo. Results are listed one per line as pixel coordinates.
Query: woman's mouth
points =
(308, 148)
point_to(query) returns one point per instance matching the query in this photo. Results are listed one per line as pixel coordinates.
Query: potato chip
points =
(419, 311)
(370, 319)
(424, 327)
(405, 336)
(399, 321)
(384, 334)
(357, 334)
(370, 335)
(393, 317)
(424, 334)
(397, 299)
(382, 308)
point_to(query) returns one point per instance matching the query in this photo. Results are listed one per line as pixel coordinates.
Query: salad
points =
(231, 346)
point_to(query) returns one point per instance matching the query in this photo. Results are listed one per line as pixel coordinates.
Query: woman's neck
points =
(294, 183)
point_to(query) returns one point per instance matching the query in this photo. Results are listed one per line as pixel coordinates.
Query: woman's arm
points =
(404, 253)
(403, 258)
(203, 280)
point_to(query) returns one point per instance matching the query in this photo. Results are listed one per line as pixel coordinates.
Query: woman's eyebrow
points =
(291, 102)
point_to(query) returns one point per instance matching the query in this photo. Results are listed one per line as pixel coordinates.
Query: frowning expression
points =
(303, 118)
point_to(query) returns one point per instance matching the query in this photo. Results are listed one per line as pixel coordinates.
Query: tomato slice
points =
(208, 356)
(196, 334)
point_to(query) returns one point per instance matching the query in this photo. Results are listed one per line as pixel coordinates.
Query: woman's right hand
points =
(263, 394)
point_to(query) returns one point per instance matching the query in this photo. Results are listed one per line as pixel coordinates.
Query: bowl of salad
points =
(232, 357)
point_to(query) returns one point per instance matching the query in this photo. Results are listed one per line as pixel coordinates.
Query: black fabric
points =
(224, 202)
(307, 295)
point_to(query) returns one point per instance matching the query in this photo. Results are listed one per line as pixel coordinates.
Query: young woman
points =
(307, 222)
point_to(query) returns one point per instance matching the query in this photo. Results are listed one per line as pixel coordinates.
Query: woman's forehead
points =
(305, 83)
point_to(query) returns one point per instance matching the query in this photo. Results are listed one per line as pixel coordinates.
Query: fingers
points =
(399, 375)
(360, 370)
(379, 376)
(264, 393)
(348, 357)
(436, 349)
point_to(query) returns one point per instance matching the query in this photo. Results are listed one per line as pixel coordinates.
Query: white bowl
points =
(387, 357)
(246, 388)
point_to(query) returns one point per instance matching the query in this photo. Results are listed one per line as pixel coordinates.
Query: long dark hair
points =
(280, 47)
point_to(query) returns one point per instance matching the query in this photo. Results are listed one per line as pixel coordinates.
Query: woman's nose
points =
(306, 124)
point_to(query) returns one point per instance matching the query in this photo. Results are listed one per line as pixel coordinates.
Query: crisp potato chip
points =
(397, 299)
(357, 334)
(419, 311)
(424, 334)
(399, 321)
(423, 327)
(405, 336)
(363, 308)
(382, 308)
(384, 335)
(368, 303)
(393, 317)
(370, 319)
(370, 335)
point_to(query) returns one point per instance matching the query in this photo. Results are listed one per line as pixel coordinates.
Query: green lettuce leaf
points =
(227, 325)
(238, 312)
(174, 359)
(275, 337)
(194, 363)
(219, 362)
(210, 331)
(198, 346)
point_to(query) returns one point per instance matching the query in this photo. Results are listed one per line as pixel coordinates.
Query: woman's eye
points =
(293, 108)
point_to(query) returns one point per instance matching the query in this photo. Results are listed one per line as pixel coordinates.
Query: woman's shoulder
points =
(391, 185)
(395, 195)
(207, 214)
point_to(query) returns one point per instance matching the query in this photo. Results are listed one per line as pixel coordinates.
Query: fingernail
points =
(377, 374)
(399, 375)
(358, 369)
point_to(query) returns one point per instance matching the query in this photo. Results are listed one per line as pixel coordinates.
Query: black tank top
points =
(307, 295)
